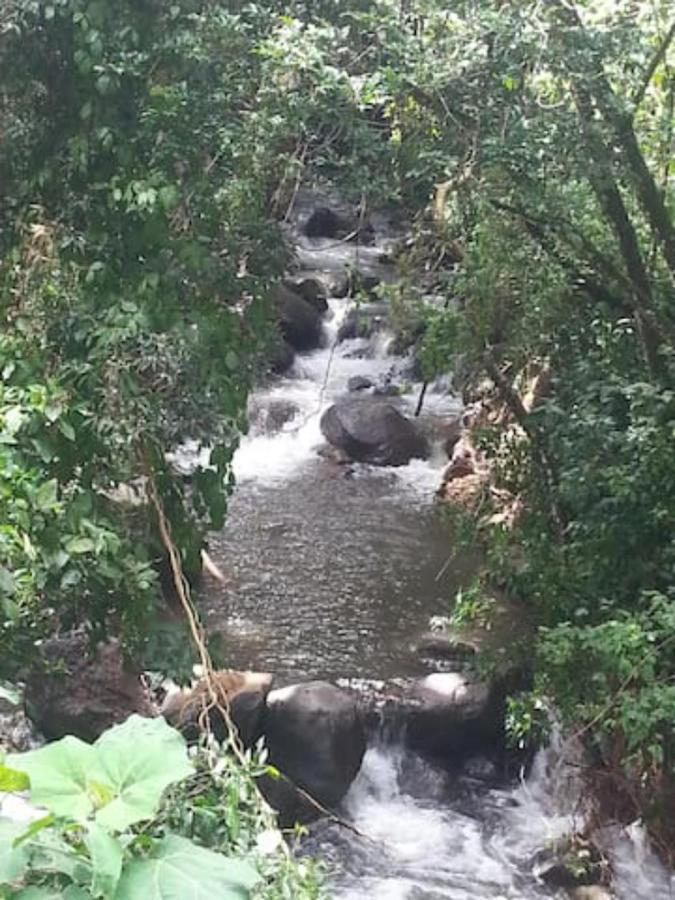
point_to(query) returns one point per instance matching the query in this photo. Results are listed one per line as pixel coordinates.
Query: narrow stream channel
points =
(334, 572)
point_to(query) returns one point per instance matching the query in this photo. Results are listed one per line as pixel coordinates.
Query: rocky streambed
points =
(336, 557)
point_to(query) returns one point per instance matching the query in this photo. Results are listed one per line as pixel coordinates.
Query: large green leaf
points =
(13, 859)
(62, 776)
(118, 781)
(140, 759)
(178, 869)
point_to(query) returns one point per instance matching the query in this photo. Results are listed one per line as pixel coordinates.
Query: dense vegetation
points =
(145, 154)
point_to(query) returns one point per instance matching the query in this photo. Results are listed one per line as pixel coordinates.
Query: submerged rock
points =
(71, 690)
(315, 736)
(372, 430)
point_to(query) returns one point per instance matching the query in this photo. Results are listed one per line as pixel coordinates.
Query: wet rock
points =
(359, 383)
(241, 694)
(315, 736)
(372, 430)
(312, 290)
(71, 690)
(437, 647)
(299, 322)
(281, 357)
(363, 321)
(338, 285)
(327, 222)
(450, 714)
(270, 416)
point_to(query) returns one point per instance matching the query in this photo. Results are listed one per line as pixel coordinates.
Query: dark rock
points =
(364, 321)
(324, 222)
(338, 286)
(242, 694)
(312, 290)
(449, 714)
(300, 323)
(281, 357)
(72, 690)
(315, 736)
(372, 430)
(359, 383)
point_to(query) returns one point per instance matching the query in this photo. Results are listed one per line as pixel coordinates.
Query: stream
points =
(334, 571)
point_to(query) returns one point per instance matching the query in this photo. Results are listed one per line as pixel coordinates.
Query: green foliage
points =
(136, 256)
(117, 781)
(175, 867)
(472, 607)
(112, 832)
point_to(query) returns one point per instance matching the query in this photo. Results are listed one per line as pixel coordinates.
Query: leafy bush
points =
(105, 833)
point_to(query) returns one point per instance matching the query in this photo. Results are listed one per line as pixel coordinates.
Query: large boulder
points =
(315, 736)
(372, 430)
(241, 694)
(451, 714)
(74, 690)
(299, 322)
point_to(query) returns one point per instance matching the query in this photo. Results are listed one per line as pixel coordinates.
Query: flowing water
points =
(334, 572)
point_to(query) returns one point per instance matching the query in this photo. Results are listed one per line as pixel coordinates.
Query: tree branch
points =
(655, 62)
